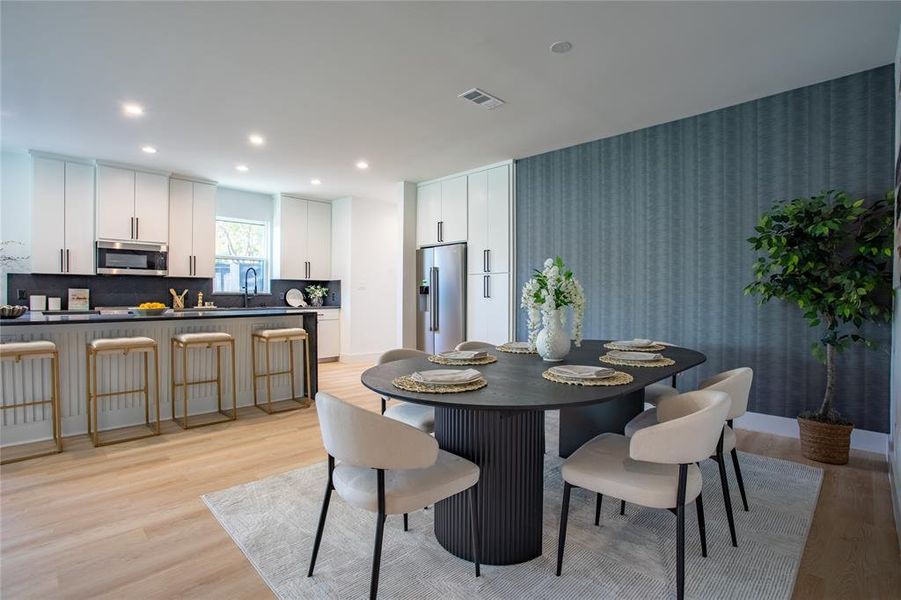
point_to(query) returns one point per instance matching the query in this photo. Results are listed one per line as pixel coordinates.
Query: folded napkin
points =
(621, 355)
(636, 343)
(463, 354)
(582, 371)
(447, 376)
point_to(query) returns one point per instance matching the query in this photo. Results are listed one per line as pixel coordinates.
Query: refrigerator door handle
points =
(433, 294)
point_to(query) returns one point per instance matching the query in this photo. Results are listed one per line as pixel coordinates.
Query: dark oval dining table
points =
(501, 429)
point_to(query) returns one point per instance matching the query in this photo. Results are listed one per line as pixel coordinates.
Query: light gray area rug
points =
(274, 520)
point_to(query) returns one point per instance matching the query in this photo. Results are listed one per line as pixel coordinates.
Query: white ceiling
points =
(330, 83)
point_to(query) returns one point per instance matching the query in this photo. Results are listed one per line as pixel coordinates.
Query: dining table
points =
(501, 428)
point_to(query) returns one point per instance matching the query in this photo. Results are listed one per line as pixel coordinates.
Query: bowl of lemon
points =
(148, 309)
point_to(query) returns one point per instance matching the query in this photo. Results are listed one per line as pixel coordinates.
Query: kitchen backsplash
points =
(131, 290)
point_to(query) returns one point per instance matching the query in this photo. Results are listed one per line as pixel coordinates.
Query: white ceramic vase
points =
(553, 341)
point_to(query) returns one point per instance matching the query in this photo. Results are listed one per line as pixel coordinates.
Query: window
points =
(241, 245)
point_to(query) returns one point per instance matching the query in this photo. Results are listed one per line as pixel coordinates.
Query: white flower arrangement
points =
(550, 290)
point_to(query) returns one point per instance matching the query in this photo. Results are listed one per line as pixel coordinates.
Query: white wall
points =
(15, 211)
(366, 258)
(895, 412)
(239, 204)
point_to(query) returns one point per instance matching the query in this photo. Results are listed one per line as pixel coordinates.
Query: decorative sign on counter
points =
(79, 299)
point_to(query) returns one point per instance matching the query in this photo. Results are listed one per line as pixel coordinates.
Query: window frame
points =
(264, 280)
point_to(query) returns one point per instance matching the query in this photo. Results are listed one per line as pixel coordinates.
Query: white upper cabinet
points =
(441, 212)
(132, 205)
(478, 223)
(305, 239)
(151, 207)
(488, 249)
(192, 229)
(62, 217)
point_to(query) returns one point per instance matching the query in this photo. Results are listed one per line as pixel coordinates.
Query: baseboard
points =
(861, 439)
(369, 357)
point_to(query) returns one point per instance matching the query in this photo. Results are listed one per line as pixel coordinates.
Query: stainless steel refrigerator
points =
(441, 310)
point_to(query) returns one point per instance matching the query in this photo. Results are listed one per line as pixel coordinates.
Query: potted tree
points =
(831, 255)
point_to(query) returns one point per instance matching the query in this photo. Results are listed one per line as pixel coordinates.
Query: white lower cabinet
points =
(328, 325)
(488, 308)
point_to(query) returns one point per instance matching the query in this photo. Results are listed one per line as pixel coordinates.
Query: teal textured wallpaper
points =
(654, 223)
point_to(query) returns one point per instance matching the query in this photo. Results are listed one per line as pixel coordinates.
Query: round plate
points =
(294, 298)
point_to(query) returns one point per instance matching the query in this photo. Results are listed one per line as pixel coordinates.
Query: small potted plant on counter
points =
(830, 254)
(316, 294)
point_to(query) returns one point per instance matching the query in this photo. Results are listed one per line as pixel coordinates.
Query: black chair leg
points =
(474, 526)
(702, 529)
(564, 515)
(384, 405)
(379, 532)
(741, 482)
(680, 533)
(322, 514)
(406, 524)
(727, 499)
(597, 509)
(622, 507)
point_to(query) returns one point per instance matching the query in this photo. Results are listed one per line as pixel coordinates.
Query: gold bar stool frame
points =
(206, 340)
(37, 350)
(124, 346)
(288, 335)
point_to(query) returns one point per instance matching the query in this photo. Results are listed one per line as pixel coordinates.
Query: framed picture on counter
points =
(79, 299)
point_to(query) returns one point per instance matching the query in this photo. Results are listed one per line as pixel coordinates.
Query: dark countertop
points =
(515, 381)
(37, 318)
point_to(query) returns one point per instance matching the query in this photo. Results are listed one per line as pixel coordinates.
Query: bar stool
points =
(124, 346)
(205, 340)
(37, 350)
(268, 337)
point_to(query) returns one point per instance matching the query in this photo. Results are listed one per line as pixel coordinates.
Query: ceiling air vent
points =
(482, 98)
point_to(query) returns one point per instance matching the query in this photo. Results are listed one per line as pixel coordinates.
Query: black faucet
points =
(246, 273)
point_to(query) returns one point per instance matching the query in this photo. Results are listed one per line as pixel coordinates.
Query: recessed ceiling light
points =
(256, 139)
(561, 47)
(242, 168)
(315, 181)
(133, 110)
(148, 149)
(362, 164)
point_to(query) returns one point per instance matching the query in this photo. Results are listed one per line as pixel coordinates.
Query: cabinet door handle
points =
(67, 261)
(131, 220)
(440, 231)
(137, 228)
(486, 292)
(485, 261)
(195, 264)
(61, 270)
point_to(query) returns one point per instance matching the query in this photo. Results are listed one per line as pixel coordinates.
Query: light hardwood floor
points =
(127, 521)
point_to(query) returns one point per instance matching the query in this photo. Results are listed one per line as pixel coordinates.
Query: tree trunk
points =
(826, 410)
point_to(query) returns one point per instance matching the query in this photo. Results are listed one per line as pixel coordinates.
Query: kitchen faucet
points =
(246, 273)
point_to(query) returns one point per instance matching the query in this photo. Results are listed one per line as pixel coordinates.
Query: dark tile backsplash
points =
(130, 290)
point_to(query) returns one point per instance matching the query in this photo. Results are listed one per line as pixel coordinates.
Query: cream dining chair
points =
(387, 467)
(655, 468)
(736, 383)
(416, 415)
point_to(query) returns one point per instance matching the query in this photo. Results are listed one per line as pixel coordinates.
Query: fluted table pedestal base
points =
(508, 446)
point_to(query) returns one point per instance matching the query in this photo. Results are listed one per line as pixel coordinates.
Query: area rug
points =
(273, 521)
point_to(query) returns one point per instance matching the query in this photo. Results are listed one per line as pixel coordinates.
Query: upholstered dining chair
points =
(474, 345)
(387, 467)
(736, 383)
(419, 416)
(655, 467)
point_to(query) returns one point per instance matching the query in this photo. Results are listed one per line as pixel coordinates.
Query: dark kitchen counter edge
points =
(30, 318)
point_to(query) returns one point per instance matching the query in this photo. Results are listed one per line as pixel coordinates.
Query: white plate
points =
(423, 376)
(576, 372)
(635, 343)
(294, 298)
(463, 354)
(620, 355)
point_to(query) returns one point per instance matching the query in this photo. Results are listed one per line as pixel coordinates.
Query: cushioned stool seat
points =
(286, 332)
(205, 337)
(121, 344)
(416, 415)
(36, 347)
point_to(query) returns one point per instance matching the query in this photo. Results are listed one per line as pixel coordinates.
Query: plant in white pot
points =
(545, 296)
(831, 255)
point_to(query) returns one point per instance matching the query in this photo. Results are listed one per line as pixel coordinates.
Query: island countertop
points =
(38, 318)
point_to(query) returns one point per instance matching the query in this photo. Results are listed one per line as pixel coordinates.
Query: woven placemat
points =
(411, 385)
(619, 378)
(508, 349)
(662, 362)
(651, 348)
(485, 360)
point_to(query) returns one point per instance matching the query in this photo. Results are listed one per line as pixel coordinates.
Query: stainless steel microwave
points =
(132, 258)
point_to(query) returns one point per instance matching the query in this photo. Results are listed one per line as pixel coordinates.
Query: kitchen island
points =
(71, 333)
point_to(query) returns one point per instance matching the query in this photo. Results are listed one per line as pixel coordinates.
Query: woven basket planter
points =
(825, 442)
